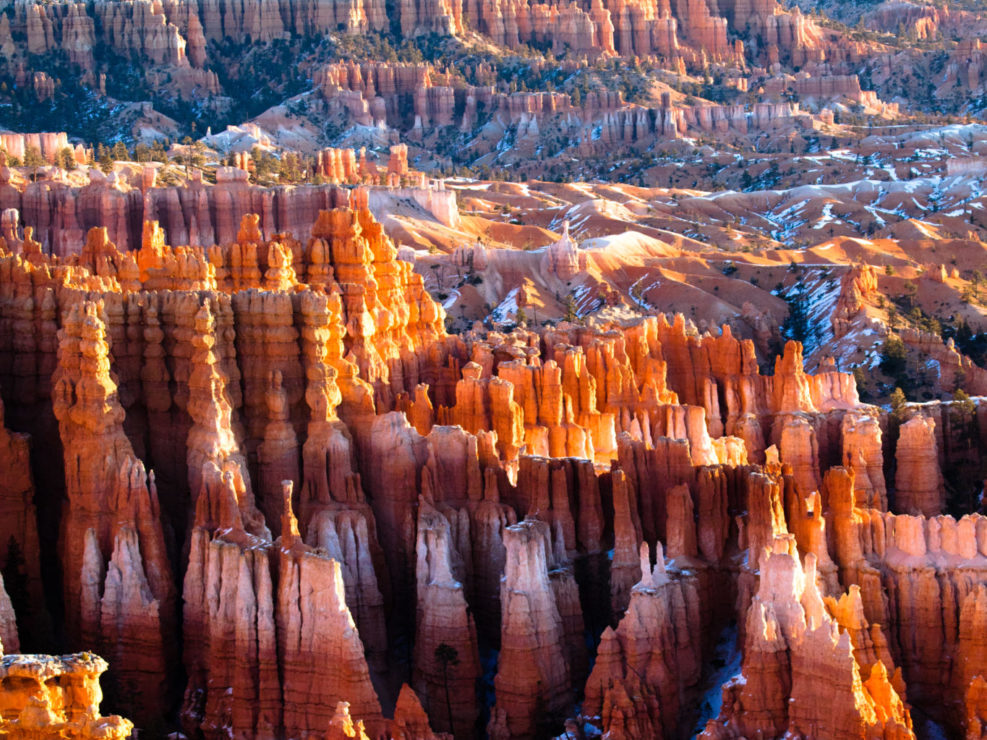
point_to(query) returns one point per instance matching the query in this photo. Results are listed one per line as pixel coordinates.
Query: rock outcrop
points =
(112, 540)
(447, 663)
(801, 671)
(918, 482)
(46, 696)
(532, 684)
(19, 529)
(653, 653)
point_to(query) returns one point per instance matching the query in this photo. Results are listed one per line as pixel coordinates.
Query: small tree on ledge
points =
(898, 402)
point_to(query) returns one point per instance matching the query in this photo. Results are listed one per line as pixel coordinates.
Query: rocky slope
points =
(461, 83)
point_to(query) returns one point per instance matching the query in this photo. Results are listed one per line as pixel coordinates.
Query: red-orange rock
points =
(46, 696)
(918, 482)
(863, 453)
(319, 650)
(653, 647)
(112, 509)
(18, 525)
(410, 721)
(800, 673)
(213, 450)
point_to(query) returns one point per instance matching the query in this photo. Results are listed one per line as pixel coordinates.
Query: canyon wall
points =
(283, 428)
(176, 33)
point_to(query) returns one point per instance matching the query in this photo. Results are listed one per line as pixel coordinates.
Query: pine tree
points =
(198, 154)
(571, 315)
(66, 158)
(33, 159)
(186, 156)
(898, 402)
(158, 153)
(104, 158)
(963, 403)
(894, 357)
(447, 655)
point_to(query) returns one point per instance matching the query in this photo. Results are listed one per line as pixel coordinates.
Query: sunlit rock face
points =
(380, 528)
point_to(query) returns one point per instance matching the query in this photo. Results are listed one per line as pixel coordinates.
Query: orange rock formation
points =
(512, 487)
(45, 696)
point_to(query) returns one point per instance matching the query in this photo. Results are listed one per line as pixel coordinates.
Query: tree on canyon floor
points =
(447, 656)
(797, 324)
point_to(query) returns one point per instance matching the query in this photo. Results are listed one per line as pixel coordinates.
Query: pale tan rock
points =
(446, 660)
(532, 681)
(9, 640)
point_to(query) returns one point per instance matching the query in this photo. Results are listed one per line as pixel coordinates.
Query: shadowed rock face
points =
(488, 510)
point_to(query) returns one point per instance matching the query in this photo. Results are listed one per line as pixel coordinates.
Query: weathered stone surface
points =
(918, 482)
(270, 375)
(801, 673)
(532, 681)
(447, 663)
(46, 696)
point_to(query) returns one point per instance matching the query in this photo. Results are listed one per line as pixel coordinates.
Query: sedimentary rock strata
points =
(373, 522)
(46, 696)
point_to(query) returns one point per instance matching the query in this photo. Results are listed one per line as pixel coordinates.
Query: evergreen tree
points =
(185, 156)
(105, 158)
(963, 403)
(898, 402)
(66, 158)
(797, 325)
(33, 159)
(894, 357)
(198, 154)
(158, 153)
(447, 656)
(570, 309)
